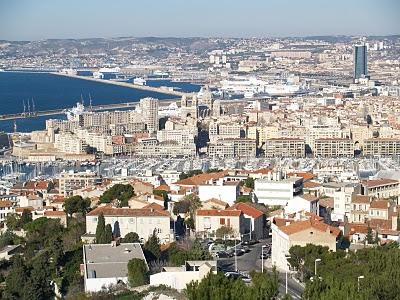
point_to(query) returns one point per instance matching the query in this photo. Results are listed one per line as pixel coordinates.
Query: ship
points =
(74, 113)
(139, 81)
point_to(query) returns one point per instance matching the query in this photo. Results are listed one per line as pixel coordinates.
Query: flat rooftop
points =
(107, 261)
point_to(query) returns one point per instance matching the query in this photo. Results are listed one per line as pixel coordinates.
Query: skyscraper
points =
(360, 61)
(149, 109)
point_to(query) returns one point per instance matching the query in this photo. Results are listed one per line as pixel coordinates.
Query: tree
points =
(100, 229)
(131, 237)
(243, 198)
(249, 182)
(152, 246)
(369, 237)
(26, 217)
(108, 236)
(137, 272)
(121, 192)
(218, 286)
(56, 252)
(116, 232)
(39, 285)
(224, 231)
(18, 274)
(76, 204)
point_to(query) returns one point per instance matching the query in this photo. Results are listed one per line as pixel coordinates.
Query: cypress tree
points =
(108, 234)
(100, 230)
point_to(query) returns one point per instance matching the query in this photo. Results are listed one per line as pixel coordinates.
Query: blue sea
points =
(50, 91)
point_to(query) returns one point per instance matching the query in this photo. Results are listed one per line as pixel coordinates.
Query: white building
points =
(141, 221)
(226, 191)
(342, 201)
(179, 277)
(106, 265)
(6, 207)
(306, 203)
(275, 190)
(300, 233)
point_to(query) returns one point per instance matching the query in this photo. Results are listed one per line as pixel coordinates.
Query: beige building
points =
(69, 143)
(232, 148)
(70, 181)
(284, 147)
(300, 233)
(209, 220)
(141, 221)
(380, 188)
(381, 147)
(333, 147)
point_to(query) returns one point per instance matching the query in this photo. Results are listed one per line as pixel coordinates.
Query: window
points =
(222, 221)
(130, 221)
(94, 219)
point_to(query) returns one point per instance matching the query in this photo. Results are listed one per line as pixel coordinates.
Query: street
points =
(251, 261)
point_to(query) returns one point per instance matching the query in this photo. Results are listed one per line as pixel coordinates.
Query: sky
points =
(42, 19)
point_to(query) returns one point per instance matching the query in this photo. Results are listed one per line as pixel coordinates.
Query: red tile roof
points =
(299, 226)
(361, 199)
(247, 209)
(217, 212)
(5, 203)
(305, 175)
(155, 206)
(114, 211)
(380, 204)
(378, 182)
(201, 178)
(54, 213)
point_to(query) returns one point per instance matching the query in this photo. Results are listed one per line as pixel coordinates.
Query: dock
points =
(60, 111)
(160, 90)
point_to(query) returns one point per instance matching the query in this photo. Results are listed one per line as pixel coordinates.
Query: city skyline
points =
(31, 20)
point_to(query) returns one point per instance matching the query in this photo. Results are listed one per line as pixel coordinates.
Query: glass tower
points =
(360, 61)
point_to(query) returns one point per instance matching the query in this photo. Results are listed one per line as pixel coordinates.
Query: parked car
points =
(246, 249)
(221, 254)
(250, 242)
(237, 275)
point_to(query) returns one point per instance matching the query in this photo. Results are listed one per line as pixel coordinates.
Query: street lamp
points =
(286, 275)
(358, 282)
(315, 266)
(262, 258)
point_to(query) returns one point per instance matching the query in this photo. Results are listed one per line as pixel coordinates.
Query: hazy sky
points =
(39, 19)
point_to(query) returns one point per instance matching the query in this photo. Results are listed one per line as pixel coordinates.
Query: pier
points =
(130, 85)
(60, 111)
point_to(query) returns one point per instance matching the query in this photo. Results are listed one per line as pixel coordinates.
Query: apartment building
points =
(277, 190)
(149, 111)
(333, 147)
(182, 137)
(380, 188)
(224, 131)
(70, 143)
(232, 148)
(149, 147)
(284, 147)
(142, 221)
(381, 147)
(70, 181)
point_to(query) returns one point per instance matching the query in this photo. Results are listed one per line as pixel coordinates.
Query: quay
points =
(102, 107)
(130, 85)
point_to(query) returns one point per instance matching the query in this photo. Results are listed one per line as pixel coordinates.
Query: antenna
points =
(90, 101)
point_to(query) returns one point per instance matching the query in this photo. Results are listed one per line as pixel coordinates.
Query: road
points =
(251, 261)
